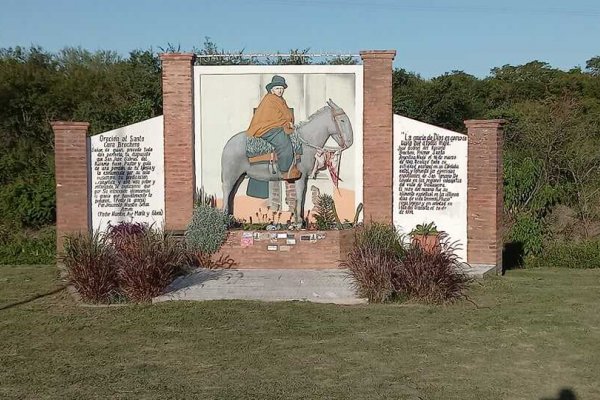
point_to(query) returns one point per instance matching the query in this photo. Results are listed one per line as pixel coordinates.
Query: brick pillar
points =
(178, 112)
(71, 160)
(484, 193)
(377, 135)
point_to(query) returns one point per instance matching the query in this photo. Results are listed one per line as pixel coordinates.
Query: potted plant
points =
(426, 236)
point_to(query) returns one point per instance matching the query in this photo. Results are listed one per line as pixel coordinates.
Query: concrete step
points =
(315, 285)
(319, 286)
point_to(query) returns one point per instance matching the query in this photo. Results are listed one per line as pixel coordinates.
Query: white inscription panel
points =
(127, 175)
(430, 179)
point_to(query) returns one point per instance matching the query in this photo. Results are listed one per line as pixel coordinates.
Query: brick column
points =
(485, 192)
(178, 112)
(71, 160)
(377, 135)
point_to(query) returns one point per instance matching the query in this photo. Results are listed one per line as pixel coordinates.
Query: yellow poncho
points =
(272, 112)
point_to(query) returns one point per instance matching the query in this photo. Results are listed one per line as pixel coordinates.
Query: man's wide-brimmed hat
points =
(276, 80)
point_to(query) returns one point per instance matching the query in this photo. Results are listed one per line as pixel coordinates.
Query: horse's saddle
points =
(259, 150)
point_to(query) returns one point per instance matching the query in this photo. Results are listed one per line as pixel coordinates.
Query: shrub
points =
(91, 265)
(207, 231)
(372, 273)
(372, 261)
(148, 263)
(382, 238)
(123, 235)
(325, 213)
(430, 276)
(585, 254)
(27, 247)
(30, 202)
(382, 268)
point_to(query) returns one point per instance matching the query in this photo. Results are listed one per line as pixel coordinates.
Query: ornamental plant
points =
(130, 261)
(371, 264)
(383, 268)
(326, 216)
(433, 277)
(91, 264)
(207, 231)
(425, 229)
(148, 263)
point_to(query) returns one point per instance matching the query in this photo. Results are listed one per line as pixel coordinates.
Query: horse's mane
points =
(311, 117)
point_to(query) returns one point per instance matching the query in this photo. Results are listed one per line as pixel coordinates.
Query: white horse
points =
(330, 120)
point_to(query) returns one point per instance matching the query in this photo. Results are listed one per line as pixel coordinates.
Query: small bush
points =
(382, 238)
(18, 247)
(148, 263)
(372, 273)
(91, 265)
(207, 231)
(325, 213)
(585, 254)
(383, 268)
(430, 276)
(372, 261)
(124, 235)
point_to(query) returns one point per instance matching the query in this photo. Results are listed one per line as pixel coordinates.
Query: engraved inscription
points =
(124, 177)
(426, 171)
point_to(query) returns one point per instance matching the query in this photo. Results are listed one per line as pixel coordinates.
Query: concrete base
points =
(318, 286)
(479, 271)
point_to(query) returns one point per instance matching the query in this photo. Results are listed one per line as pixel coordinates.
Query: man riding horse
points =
(274, 122)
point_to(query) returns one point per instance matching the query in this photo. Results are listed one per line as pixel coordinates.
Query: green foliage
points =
(584, 254)
(31, 203)
(325, 213)
(425, 229)
(207, 230)
(550, 151)
(382, 238)
(37, 87)
(18, 247)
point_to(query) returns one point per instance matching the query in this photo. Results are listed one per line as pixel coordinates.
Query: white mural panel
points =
(127, 175)
(430, 179)
(225, 99)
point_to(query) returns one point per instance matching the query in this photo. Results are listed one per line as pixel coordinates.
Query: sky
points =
(431, 37)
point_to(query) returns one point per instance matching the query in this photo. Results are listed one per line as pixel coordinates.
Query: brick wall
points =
(377, 135)
(71, 170)
(484, 192)
(178, 112)
(322, 254)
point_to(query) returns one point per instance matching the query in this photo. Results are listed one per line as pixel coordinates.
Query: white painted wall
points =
(140, 190)
(451, 219)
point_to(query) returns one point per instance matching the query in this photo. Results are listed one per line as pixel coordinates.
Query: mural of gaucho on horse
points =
(274, 149)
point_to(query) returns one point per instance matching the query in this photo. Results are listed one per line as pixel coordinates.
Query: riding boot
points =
(292, 175)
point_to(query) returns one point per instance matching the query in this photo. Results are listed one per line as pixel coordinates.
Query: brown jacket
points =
(272, 112)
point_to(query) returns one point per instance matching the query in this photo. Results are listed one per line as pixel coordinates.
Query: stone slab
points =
(318, 286)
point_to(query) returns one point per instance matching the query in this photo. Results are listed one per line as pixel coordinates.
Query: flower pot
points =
(429, 243)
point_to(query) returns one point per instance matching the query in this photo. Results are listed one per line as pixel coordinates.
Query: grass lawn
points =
(535, 332)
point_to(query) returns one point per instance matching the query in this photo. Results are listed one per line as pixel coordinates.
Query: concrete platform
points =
(319, 286)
